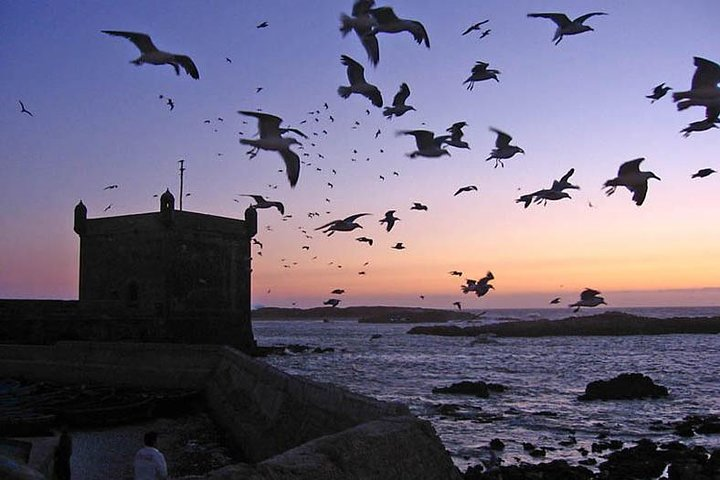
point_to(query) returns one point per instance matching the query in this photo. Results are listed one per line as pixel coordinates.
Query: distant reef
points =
(606, 323)
(372, 314)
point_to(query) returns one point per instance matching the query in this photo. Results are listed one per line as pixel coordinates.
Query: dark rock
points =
(537, 452)
(527, 446)
(479, 389)
(497, 444)
(555, 470)
(626, 386)
(569, 442)
(588, 461)
(323, 350)
(496, 387)
(706, 425)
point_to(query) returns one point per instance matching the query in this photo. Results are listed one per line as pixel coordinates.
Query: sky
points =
(99, 120)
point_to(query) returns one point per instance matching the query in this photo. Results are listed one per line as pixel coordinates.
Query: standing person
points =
(63, 452)
(149, 462)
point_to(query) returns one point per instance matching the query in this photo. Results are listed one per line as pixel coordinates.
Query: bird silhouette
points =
(555, 301)
(398, 246)
(479, 287)
(361, 22)
(630, 177)
(418, 206)
(389, 219)
(262, 25)
(338, 291)
(428, 145)
(704, 90)
(588, 298)
(23, 109)
(110, 187)
(261, 202)
(469, 188)
(703, 172)
(333, 302)
(367, 240)
(475, 26)
(271, 139)
(149, 53)
(342, 225)
(503, 150)
(399, 107)
(358, 84)
(458, 305)
(658, 92)
(479, 73)
(565, 26)
(387, 22)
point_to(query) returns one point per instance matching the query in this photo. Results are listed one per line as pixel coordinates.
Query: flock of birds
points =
(368, 22)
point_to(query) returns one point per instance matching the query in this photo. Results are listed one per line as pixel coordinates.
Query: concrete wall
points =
(295, 428)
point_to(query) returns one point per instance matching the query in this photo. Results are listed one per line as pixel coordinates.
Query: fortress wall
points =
(144, 365)
(268, 411)
(296, 428)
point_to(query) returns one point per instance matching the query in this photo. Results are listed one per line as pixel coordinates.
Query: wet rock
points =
(537, 452)
(588, 461)
(496, 387)
(497, 444)
(626, 386)
(479, 389)
(703, 424)
(527, 446)
(555, 470)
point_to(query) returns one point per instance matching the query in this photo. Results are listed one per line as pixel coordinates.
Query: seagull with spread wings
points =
(704, 90)
(398, 106)
(149, 53)
(271, 139)
(475, 26)
(460, 190)
(455, 137)
(479, 73)
(588, 298)
(565, 26)
(480, 287)
(347, 224)
(503, 150)
(386, 21)
(428, 145)
(362, 22)
(389, 219)
(658, 92)
(261, 202)
(630, 177)
(358, 84)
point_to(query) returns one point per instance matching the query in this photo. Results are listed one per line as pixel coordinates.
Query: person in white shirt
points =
(149, 462)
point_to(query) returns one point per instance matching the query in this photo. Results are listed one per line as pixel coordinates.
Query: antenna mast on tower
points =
(182, 177)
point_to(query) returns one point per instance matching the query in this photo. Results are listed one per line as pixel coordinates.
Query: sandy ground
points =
(192, 445)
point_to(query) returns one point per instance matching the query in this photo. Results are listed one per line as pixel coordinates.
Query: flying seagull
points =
(344, 225)
(150, 54)
(469, 188)
(455, 272)
(398, 246)
(563, 183)
(262, 25)
(658, 92)
(480, 287)
(588, 298)
(386, 21)
(389, 219)
(475, 26)
(428, 145)
(271, 139)
(458, 305)
(703, 172)
(362, 22)
(333, 302)
(338, 291)
(630, 177)
(565, 26)
(356, 77)
(367, 240)
(479, 73)
(704, 90)
(455, 137)
(485, 33)
(110, 187)
(542, 196)
(418, 206)
(503, 149)
(699, 126)
(555, 301)
(23, 109)
(260, 202)
(398, 106)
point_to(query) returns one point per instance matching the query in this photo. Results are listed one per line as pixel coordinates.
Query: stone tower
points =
(171, 275)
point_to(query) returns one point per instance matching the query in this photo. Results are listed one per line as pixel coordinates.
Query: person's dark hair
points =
(150, 439)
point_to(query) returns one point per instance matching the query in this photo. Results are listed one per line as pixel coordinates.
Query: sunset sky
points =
(98, 120)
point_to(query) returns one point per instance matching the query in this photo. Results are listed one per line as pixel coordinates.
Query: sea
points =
(543, 378)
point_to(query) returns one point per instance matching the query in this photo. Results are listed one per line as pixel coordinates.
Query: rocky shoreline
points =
(604, 324)
(365, 314)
